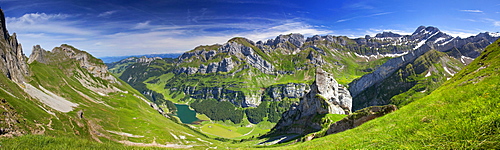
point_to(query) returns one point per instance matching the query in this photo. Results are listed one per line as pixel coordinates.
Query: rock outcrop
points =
(326, 96)
(12, 58)
(95, 66)
(38, 54)
(241, 52)
(282, 91)
(11, 120)
(359, 117)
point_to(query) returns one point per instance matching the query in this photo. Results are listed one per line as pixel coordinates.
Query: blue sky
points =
(128, 27)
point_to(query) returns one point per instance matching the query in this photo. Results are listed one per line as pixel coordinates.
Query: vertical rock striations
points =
(12, 59)
(37, 54)
(326, 96)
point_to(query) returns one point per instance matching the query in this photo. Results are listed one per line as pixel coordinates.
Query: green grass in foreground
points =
(233, 132)
(462, 114)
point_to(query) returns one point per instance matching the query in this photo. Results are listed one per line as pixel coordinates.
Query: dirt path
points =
(249, 132)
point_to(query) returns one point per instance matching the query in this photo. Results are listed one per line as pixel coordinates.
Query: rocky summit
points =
(325, 97)
(12, 60)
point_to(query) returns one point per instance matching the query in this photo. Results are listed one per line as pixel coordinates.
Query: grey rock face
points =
(290, 90)
(12, 58)
(37, 54)
(325, 96)
(97, 70)
(217, 93)
(243, 53)
(247, 54)
(387, 34)
(280, 41)
(429, 38)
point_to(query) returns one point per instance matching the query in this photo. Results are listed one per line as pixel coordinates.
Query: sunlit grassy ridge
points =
(123, 116)
(463, 113)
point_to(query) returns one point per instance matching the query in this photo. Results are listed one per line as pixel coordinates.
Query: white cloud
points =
(462, 34)
(107, 13)
(142, 25)
(495, 23)
(51, 30)
(472, 11)
(45, 23)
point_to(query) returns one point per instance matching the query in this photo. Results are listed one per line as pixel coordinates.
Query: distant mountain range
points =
(112, 59)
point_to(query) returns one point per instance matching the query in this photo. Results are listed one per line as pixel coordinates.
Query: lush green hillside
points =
(463, 113)
(102, 109)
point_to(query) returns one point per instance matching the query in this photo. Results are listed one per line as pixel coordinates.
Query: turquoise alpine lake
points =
(185, 114)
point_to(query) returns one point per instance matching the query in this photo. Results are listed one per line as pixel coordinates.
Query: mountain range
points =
(438, 91)
(386, 69)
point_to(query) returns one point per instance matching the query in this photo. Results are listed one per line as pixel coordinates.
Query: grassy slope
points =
(463, 113)
(126, 113)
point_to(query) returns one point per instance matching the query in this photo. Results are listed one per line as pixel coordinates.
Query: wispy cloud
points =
(366, 16)
(107, 13)
(472, 10)
(462, 34)
(45, 23)
(494, 22)
(51, 30)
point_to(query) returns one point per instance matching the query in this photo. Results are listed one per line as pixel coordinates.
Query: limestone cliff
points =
(326, 96)
(12, 59)
(37, 54)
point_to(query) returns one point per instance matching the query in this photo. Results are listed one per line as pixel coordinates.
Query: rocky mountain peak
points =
(281, 41)
(12, 60)
(325, 96)
(95, 66)
(37, 54)
(387, 34)
(425, 30)
(3, 28)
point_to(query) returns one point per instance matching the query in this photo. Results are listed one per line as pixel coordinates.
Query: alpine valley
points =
(424, 90)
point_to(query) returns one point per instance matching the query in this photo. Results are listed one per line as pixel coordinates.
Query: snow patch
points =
(48, 98)
(425, 40)
(154, 144)
(182, 137)
(125, 134)
(446, 42)
(496, 34)
(204, 141)
(420, 44)
(102, 94)
(463, 59)
(175, 137)
(380, 55)
(439, 39)
(448, 71)
(428, 74)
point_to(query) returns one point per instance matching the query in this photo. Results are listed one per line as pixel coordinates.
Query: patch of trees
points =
(256, 115)
(270, 109)
(219, 111)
